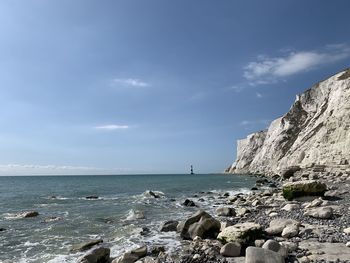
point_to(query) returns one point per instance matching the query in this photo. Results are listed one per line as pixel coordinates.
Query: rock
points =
(303, 188)
(169, 226)
(200, 224)
(277, 225)
(290, 207)
(96, 255)
(132, 256)
(272, 245)
(2, 229)
(85, 246)
(325, 252)
(276, 247)
(91, 197)
(52, 219)
(225, 211)
(290, 246)
(231, 250)
(27, 214)
(320, 212)
(242, 233)
(347, 230)
(242, 211)
(314, 203)
(188, 202)
(290, 231)
(259, 242)
(289, 171)
(261, 255)
(273, 214)
(256, 202)
(152, 194)
(347, 244)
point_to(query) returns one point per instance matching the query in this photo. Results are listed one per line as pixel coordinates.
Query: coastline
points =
(311, 237)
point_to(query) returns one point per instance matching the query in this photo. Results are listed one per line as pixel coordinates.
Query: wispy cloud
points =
(247, 123)
(35, 169)
(267, 69)
(258, 95)
(112, 127)
(129, 82)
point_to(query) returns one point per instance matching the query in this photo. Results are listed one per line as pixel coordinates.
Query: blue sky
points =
(92, 87)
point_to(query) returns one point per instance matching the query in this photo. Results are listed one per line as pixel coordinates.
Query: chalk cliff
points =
(315, 131)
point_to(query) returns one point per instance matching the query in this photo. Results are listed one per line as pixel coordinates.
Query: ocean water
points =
(114, 216)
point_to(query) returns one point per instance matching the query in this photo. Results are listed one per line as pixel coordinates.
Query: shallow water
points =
(112, 217)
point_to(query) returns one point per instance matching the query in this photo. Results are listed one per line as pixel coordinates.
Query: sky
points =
(131, 86)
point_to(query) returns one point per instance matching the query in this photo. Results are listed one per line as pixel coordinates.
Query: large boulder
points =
(200, 224)
(96, 255)
(85, 246)
(242, 233)
(261, 255)
(303, 188)
(277, 225)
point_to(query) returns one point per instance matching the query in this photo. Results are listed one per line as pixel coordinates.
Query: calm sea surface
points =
(66, 217)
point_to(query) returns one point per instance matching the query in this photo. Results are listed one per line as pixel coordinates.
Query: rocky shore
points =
(302, 216)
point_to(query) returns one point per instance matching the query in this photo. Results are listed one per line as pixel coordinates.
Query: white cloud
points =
(254, 122)
(258, 95)
(267, 70)
(130, 82)
(112, 127)
(35, 169)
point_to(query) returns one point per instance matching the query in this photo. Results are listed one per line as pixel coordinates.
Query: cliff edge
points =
(315, 131)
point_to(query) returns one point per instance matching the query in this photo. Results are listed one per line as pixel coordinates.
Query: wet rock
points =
(303, 188)
(277, 225)
(85, 246)
(2, 229)
(152, 194)
(320, 212)
(132, 256)
(52, 219)
(242, 233)
(169, 226)
(231, 250)
(27, 214)
(260, 255)
(225, 211)
(200, 224)
(188, 202)
(91, 197)
(96, 255)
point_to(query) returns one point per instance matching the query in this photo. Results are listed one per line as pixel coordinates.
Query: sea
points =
(125, 214)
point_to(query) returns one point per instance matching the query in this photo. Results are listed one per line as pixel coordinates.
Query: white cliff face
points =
(316, 130)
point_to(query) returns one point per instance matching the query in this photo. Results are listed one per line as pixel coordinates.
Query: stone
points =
(277, 225)
(152, 194)
(303, 188)
(261, 255)
(259, 242)
(320, 212)
(132, 256)
(290, 231)
(347, 244)
(27, 214)
(96, 255)
(188, 202)
(169, 226)
(347, 231)
(290, 207)
(225, 211)
(276, 247)
(242, 211)
(315, 203)
(200, 224)
(289, 171)
(290, 246)
(91, 197)
(231, 249)
(85, 246)
(242, 233)
(2, 229)
(325, 252)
